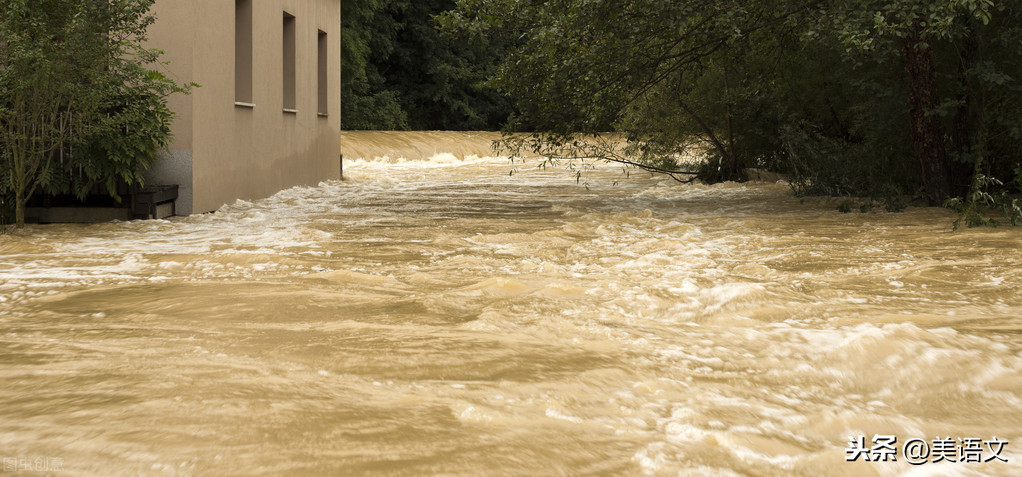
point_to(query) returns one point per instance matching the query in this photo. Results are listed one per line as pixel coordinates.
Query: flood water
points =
(440, 314)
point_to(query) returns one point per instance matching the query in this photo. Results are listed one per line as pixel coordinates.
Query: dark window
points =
(290, 102)
(322, 75)
(243, 51)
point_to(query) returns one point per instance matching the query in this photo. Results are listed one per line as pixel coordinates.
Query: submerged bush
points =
(975, 209)
(818, 165)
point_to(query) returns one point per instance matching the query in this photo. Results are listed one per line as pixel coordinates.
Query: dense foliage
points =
(79, 106)
(400, 72)
(884, 99)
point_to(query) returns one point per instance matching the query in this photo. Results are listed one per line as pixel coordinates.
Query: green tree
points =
(402, 73)
(842, 92)
(954, 87)
(912, 29)
(663, 73)
(366, 37)
(987, 123)
(74, 73)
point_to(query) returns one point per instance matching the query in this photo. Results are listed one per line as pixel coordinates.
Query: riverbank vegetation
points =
(889, 101)
(80, 107)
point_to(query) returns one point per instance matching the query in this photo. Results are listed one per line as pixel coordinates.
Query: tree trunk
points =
(926, 128)
(19, 208)
(968, 132)
(729, 168)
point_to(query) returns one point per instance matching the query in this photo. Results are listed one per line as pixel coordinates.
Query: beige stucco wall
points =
(232, 152)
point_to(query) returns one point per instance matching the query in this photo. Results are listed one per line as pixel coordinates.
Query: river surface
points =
(461, 315)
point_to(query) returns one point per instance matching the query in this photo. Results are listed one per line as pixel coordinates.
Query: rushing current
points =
(444, 311)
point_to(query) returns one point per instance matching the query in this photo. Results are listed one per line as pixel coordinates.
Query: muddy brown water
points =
(435, 313)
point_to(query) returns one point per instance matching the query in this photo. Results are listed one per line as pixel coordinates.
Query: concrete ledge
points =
(164, 210)
(75, 215)
(146, 202)
(91, 215)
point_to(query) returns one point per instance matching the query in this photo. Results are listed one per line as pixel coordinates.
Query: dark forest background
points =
(890, 102)
(400, 72)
